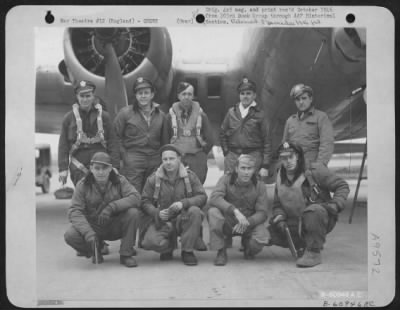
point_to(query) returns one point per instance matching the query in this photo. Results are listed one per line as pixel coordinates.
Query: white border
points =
(20, 111)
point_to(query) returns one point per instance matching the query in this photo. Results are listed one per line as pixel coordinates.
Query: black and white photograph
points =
(197, 163)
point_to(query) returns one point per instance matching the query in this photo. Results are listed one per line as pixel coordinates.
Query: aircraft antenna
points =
(319, 52)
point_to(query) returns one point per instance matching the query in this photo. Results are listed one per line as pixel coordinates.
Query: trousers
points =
(308, 232)
(221, 230)
(187, 225)
(198, 164)
(138, 166)
(122, 226)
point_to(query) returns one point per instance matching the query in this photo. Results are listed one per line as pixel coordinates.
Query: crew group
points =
(159, 191)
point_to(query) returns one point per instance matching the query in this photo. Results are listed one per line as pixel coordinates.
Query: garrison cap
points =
(183, 86)
(101, 158)
(141, 83)
(246, 84)
(288, 148)
(170, 147)
(84, 86)
(299, 89)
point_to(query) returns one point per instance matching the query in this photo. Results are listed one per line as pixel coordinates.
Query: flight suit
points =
(87, 203)
(194, 145)
(314, 133)
(140, 141)
(161, 236)
(249, 135)
(250, 199)
(85, 151)
(306, 214)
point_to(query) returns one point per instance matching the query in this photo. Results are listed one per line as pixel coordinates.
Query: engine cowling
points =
(145, 52)
(348, 49)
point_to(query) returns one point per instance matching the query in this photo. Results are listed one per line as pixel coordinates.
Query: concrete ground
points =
(272, 279)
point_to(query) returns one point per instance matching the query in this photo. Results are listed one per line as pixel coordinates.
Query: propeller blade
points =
(115, 90)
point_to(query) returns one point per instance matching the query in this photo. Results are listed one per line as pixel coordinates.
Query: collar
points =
(234, 180)
(154, 107)
(188, 111)
(310, 111)
(253, 104)
(182, 173)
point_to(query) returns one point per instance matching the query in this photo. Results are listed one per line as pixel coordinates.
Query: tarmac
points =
(271, 279)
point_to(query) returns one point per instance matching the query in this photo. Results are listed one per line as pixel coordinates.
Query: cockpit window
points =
(214, 85)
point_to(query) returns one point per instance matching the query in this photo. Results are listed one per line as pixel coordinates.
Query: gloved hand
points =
(63, 175)
(331, 208)
(280, 222)
(95, 252)
(91, 238)
(282, 226)
(104, 216)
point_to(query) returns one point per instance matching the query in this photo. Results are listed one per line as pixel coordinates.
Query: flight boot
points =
(128, 261)
(222, 258)
(310, 258)
(188, 258)
(104, 250)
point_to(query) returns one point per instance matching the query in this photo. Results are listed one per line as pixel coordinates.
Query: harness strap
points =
(100, 129)
(81, 136)
(188, 186)
(79, 131)
(174, 125)
(79, 165)
(157, 188)
(315, 190)
(198, 129)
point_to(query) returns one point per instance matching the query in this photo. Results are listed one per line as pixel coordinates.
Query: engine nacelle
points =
(348, 48)
(145, 52)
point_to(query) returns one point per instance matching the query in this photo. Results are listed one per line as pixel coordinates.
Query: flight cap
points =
(101, 158)
(183, 86)
(246, 84)
(141, 83)
(84, 87)
(286, 149)
(170, 147)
